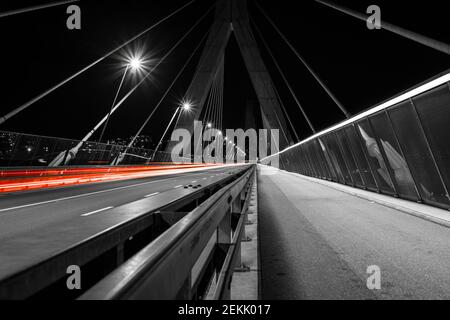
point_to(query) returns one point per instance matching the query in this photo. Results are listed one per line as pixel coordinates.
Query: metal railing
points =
(400, 147)
(177, 244)
(208, 238)
(24, 150)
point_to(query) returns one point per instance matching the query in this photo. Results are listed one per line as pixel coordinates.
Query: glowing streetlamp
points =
(135, 64)
(185, 106)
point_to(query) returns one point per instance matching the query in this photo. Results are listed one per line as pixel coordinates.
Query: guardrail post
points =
(224, 241)
(224, 230)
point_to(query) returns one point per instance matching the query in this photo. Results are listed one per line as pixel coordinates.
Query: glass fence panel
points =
(25, 150)
(375, 157)
(328, 160)
(309, 168)
(312, 162)
(347, 153)
(417, 153)
(338, 160)
(319, 155)
(22, 150)
(311, 152)
(398, 165)
(361, 161)
(433, 108)
(8, 143)
(294, 161)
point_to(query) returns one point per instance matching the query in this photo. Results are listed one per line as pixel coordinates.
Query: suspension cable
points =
(44, 94)
(419, 38)
(171, 85)
(147, 75)
(284, 78)
(34, 8)
(315, 75)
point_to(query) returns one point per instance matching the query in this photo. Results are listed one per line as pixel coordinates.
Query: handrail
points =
(162, 270)
(423, 87)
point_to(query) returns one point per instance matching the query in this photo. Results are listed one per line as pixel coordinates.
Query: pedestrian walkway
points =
(317, 242)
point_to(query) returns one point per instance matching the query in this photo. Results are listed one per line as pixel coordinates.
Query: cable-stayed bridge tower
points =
(231, 16)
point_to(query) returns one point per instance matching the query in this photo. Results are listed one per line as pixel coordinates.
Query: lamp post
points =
(135, 64)
(185, 106)
(65, 156)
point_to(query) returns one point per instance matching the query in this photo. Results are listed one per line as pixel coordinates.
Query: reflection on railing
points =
(374, 152)
(22, 150)
(400, 148)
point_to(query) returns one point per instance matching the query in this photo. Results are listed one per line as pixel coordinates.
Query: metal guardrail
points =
(112, 251)
(165, 268)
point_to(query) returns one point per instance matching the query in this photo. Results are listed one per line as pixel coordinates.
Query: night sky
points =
(362, 67)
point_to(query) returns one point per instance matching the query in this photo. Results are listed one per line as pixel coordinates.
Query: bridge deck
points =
(37, 225)
(317, 242)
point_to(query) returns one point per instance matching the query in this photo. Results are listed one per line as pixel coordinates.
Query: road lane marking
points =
(96, 211)
(91, 193)
(151, 195)
(80, 195)
(194, 181)
(178, 187)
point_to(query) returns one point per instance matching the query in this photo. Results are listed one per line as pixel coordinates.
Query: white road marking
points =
(96, 211)
(178, 187)
(194, 181)
(91, 193)
(80, 195)
(151, 195)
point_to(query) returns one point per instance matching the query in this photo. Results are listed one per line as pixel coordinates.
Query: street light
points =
(183, 106)
(135, 64)
(186, 106)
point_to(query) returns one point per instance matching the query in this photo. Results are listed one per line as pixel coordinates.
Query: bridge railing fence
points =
(402, 150)
(24, 150)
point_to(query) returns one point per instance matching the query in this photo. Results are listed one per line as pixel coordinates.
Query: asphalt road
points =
(317, 243)
(26, 211)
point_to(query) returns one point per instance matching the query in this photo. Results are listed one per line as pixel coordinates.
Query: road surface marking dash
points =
(178, 187)
(96, 211)
(151, 195)
(81, 195)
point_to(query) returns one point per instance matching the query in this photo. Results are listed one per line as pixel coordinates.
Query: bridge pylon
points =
(231, 16)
